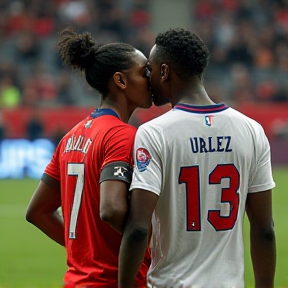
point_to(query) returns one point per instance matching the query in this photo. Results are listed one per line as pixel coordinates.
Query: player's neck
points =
(118, 108)
(193, 96)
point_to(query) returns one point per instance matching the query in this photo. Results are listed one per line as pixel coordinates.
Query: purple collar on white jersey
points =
(201, 109)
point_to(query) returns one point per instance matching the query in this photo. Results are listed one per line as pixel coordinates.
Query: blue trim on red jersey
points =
(201, 109)
(104, 111)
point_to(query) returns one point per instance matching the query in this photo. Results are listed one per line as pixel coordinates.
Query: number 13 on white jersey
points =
(190, 176)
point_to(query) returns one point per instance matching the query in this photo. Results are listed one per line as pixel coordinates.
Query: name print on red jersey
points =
(79, 143)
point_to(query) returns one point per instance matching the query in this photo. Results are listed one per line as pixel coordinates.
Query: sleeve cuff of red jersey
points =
(50, 180)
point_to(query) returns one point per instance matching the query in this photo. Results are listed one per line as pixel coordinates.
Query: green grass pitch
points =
(29, 259)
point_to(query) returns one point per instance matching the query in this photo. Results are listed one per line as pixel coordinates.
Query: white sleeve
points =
(262, 179)
(147, 173)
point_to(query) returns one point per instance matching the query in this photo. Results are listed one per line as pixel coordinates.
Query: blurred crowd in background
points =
(31, 72)
(248, 42)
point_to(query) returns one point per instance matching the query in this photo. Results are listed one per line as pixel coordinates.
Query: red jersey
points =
(92, 245)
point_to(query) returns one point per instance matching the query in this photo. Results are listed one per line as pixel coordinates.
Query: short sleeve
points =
(147, 172)
(118, 146)
(262, 177)
(53, 168)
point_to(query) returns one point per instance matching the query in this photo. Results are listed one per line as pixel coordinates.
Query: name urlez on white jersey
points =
(201, 161)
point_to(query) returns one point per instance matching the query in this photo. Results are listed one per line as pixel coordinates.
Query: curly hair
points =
(98, 61)
(183, 50)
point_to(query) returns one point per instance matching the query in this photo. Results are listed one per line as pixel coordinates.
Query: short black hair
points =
(183, 50)
(98, 61)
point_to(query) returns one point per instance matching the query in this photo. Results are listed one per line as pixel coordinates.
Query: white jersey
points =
(201, 161)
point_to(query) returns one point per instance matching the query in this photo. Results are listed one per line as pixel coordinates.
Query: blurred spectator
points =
(238, 52)
(17, 19)
(58, 134)
(2, 127)
(64, 91)
(140, 15)
(34, 126)
(9, 94)
(76, 13)
(264, 58)
(8, 69)
(266, 90)
(225, 31)
(40, 89)
(46, 87)
(242, 89)
(280, 129)
(281, 16)
(143, 40)
(27, 47)
(112, 19)
(281, 54)
(30, 94)
(281, 94)
(204, 10)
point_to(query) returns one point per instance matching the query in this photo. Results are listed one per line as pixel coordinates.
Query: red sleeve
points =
(53, 168)
(119, 145)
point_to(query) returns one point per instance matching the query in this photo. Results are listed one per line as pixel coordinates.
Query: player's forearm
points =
(263, 254)
(51, 224)
(132, 250)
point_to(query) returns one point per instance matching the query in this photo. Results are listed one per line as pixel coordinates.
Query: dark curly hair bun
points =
(98, 62)
(77, 51)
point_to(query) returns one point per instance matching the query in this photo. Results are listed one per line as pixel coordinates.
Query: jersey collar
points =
(104, 111)
(201, 109)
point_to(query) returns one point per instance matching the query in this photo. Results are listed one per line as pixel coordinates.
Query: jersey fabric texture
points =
(201, 161)
(92, 245)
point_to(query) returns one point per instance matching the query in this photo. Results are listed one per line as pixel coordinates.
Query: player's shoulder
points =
(156, 128)
(159, 121)
(239, 116)
(123, 127)
(119, 132)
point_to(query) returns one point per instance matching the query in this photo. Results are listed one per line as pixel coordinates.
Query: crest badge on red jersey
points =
(142, 159)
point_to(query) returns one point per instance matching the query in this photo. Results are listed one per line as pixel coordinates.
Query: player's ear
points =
(120, 80)
(164, 72)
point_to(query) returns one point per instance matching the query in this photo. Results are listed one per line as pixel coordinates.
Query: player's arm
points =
(262, 237)
(136, 236)
(42, 209)
(115, 180)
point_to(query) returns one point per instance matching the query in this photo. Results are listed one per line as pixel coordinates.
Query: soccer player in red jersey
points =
(91, 169)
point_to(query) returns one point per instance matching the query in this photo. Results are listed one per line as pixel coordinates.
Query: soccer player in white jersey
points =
(198, 168)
